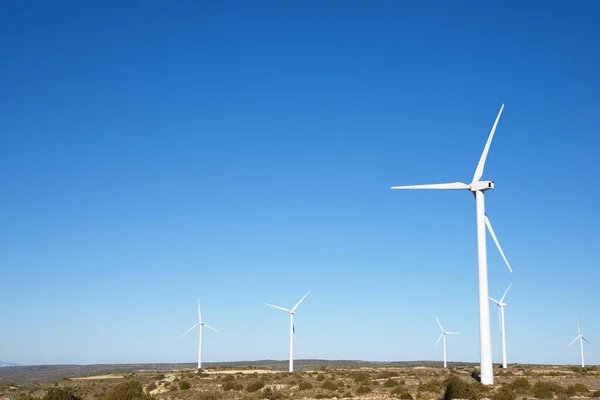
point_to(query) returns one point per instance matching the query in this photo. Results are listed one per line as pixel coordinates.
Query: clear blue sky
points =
(242, 152)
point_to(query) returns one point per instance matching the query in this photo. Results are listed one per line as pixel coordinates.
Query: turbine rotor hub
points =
(481, 186)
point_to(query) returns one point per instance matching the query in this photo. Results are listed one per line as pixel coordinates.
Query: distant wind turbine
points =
(581, 339)
(292, 328)
(443, 334)
(501, 304)
(201, 325)
(477, 187)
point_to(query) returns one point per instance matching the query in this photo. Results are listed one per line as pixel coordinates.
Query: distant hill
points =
(49, 373)
(7, 364)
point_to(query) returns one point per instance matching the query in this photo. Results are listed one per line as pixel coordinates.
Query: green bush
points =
(458, 389)
(238, 387)
(580, 388)
(61, 394)
(390, 383)
(505, 393)
(329, 385)
(363, 389)
(129, 390)
(596, 393)
(228, 378)
(546, 390)
(254, 386)
(347, 395)
(386, 374)
(542, 393)
(305, 386)
(406, 396)
(360, 377)
(520, 385)
(227, 386)
(208, 395)
(184, 385)
(320, 377)
(432, 385)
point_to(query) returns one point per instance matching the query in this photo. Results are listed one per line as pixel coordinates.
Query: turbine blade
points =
(443, 186)
(495, 301)
(585, 340)
(436, 343)
(578, 331)
(297, 304)
(210, 327)
(439, 323)
(486, 149)
(574, 340)
(453, 333)
(504, 295)
(489, 226)
(199, 314)
(294, 330)
(277, 307)
(189, 330)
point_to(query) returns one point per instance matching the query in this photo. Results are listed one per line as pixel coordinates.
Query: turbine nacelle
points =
(481, 186)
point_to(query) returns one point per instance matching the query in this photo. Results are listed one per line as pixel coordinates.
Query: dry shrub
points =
(459, 389)
(305, 386)
(363, 389)
(520, 385)
(129, 390)
(390, 383)
(504, 393)
(254, 386)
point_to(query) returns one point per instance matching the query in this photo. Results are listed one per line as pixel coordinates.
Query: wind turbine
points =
(443, 334)
(292, 328)
(477, 187)
(501, 304)
(581, 339)
(201, 325)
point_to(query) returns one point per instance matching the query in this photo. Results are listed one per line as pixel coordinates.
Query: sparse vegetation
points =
(520, 385)
(363, 389)
(128, 390)
(390, 383)
(505, 393)
(341, 383)
(459, 389)
(184, 385)
(60, 394)
(254, 386)
(305, 386)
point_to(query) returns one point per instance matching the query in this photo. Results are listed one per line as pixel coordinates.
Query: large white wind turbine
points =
(292, 328)
(477, 187)
(581, 339)
(201, 325)
(501, 304)
(443, 334)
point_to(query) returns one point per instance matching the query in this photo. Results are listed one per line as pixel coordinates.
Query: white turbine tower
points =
(292, 329)
(581, 339)
(477, 187)
(501, 304)
(201, 325)
(443, 334)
